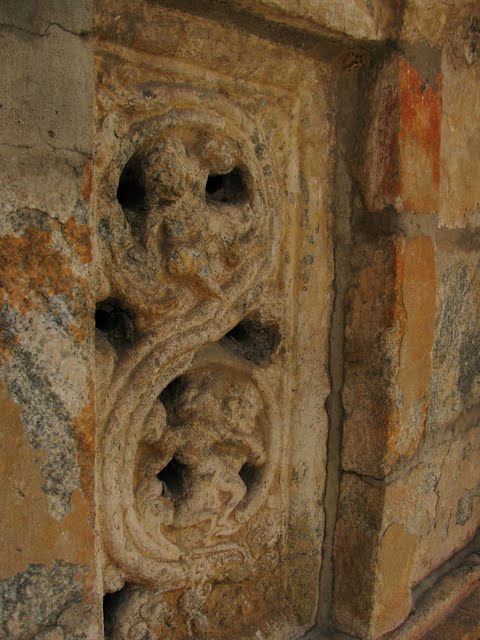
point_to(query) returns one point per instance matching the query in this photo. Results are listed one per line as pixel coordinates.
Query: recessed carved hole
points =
(253, 341)
(131, 195)
(169, 398)
(173, 478)
(115, 321)
(112, 602)
(249, 475)
(226, 188)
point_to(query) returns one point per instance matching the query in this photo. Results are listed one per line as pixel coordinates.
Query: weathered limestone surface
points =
(410, 445)
(239, 330)
(214, 287)
(389, 340)
(47, 446)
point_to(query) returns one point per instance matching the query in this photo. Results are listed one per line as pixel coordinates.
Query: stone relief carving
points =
(192, 386)
(186, 218)
(188, 238)
(200, 456)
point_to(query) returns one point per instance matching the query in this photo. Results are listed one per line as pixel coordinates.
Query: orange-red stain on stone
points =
(420, 107)
(85, 431)
(419, 299)
(387, 144)
(79, 238)
(31, 269)
(87, 182)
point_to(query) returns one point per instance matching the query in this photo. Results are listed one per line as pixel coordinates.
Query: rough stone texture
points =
(47, 448)
(385, 544)
(462, 623)
(460, 188)
(389, 338)
(213, 214)
(411, 420)
(422, 135)
(441, 594)
(455, 384)
(410, 444)
(372, 591)
(435, 24)
(239, 147)
(401, 158)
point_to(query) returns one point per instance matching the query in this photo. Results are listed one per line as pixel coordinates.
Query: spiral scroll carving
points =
(188, 443)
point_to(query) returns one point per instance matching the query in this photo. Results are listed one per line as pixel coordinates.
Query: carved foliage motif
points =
(186, 231)
(187, 218)
(191, 383)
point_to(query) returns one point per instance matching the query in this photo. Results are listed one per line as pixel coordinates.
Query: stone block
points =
(460, 149)
(432, 24)
(212, 178)
(388, 341)
(455, 385)
(401, 156)
(46, 113)
(373, 562)
(48, 564)
(462, 623)
(446, 482)
(38, 17)
(385, 544)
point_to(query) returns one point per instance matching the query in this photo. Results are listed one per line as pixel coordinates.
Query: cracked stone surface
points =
(239, 319)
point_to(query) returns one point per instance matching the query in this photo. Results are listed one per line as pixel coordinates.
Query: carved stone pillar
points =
(214, 282)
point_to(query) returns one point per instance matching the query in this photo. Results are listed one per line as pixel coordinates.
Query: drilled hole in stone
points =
(169, 398)
(131, 195)
(253, 341)
(249, 475)
(226, 187)
(173, 478)
(113, 603)
(115, 321)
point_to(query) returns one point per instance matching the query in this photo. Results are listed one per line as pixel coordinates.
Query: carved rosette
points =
(188, 456)
(186, 218)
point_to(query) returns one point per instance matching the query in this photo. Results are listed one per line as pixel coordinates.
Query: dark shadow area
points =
(115, 322)
(249, 474)
(228, 188)
(173, 478)
(131, 195)
(253, 341)
(112, 602)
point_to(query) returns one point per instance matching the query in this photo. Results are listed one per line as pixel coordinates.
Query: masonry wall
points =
(47, 452)
(240, 324)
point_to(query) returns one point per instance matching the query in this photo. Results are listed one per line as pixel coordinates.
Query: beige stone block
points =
(46, 106)
(434, 23)
(38, 17)
(391, 536)
(389, 338)
(446, 484)
(373, 562)
(460, 147)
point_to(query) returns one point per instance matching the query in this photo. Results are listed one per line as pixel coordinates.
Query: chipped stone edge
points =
(441, 592)
(315, 19)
